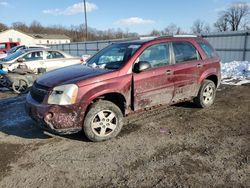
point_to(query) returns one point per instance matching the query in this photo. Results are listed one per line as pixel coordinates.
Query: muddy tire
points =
(103, 121)
(206, 95)
(4, 82)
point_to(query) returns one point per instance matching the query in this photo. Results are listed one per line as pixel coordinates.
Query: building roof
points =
(7, 30)
(49, 36)
(40, 36)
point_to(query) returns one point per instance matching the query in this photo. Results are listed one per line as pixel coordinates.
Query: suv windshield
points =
(113, 56)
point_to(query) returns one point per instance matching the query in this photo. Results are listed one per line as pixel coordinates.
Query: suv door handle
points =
(169, 72)
(199, 65)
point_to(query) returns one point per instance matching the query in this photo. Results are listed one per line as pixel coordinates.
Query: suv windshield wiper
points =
(114, 65)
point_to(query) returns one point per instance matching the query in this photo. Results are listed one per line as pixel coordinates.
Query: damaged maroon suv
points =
(122, 78)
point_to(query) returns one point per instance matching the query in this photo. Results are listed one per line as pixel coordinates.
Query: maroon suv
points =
(122, 78)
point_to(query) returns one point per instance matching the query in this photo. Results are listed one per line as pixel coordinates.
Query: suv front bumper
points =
(55, 118)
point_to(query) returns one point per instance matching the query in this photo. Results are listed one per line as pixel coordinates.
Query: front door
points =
(154, 86)
(34, 60)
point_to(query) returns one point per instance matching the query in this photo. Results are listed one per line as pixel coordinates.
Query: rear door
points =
(154, 86)
(186, 70)
(55, 60)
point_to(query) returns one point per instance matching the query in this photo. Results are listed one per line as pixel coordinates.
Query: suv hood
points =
(69, 75)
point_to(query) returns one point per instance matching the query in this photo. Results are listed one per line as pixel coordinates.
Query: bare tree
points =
(235, 14)
(200, 27)
(75, 32)
(222, 24)
(155, 33)
(207, 29)
(20, 26)
(245, 25)
(36, 27)
(172, 29)
(3, 27)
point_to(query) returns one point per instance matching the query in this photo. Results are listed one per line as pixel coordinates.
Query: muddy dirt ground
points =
(176, 146)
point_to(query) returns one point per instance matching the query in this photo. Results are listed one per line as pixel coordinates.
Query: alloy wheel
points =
(104, 123)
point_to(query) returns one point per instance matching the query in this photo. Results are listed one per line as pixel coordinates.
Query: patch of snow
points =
(235, 72)
(13, 113)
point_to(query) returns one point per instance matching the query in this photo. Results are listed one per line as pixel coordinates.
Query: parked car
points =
(122, 78)
(5, 46)
(84, 58)
(39, 58)
(21, 47)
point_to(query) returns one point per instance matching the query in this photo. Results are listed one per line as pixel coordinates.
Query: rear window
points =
(184, 51)
(54, 55)
(209, 51)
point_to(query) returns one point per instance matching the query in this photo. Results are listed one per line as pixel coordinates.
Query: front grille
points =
(38, 92)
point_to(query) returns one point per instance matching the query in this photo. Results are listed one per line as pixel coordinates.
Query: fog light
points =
(49, 116)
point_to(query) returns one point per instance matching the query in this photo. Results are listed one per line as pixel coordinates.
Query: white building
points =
(50, 39)
(12, 35)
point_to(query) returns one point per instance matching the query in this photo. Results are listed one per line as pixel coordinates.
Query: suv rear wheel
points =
(103, 121)
(206, 95)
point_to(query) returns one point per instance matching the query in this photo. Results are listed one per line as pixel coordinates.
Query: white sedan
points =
(39, 58)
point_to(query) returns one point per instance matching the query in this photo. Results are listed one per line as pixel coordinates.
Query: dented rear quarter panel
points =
(210, 67)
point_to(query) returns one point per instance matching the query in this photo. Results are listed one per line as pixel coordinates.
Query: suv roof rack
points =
(185, 36)
(169, 36)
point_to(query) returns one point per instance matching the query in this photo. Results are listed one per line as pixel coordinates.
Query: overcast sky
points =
(140, 16)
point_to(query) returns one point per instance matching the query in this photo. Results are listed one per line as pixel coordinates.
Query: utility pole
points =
(86, 24)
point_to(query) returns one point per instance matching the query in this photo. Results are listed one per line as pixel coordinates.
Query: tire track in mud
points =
(9, 154)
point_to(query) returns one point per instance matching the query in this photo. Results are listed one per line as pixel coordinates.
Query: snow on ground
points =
(12, 112)
(235, 72)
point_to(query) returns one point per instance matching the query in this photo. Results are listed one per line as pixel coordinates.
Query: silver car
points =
(39, 58)
(22, 47)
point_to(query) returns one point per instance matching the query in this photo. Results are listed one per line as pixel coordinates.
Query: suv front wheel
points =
(206, 95)
(103, 121)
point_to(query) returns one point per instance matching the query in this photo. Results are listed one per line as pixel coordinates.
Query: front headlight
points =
(63, 95)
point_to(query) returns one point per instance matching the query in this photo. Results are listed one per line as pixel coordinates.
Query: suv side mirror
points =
(20, 60)
(141, 66)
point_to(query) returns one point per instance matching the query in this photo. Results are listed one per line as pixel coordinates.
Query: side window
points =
(54, 55)
(3, 46)
(184, 51)
(157, 55)
(209, 51)
(33, 56)
(12, 45)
